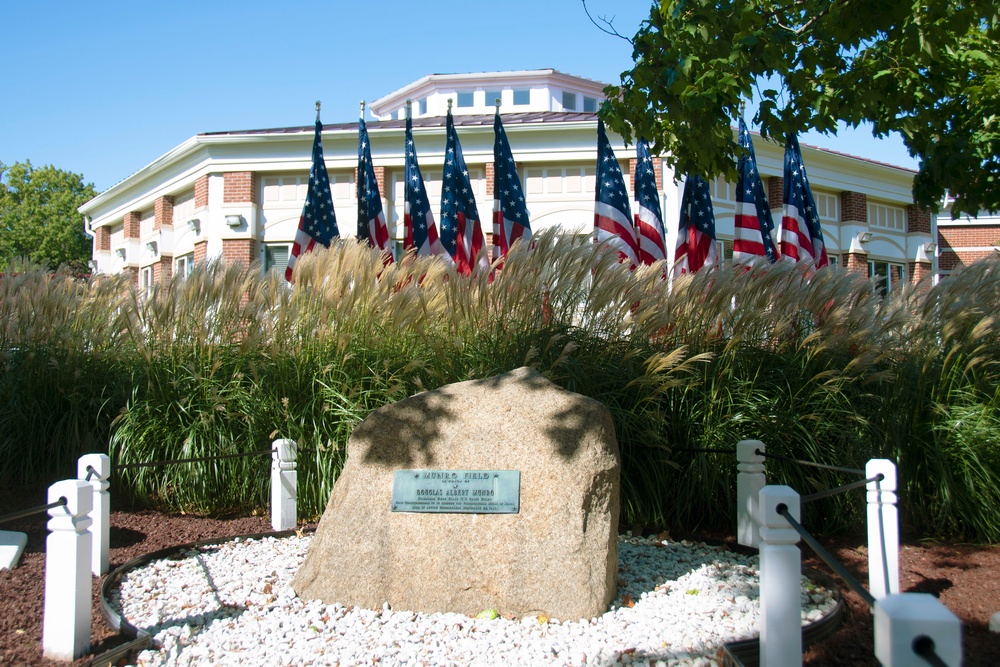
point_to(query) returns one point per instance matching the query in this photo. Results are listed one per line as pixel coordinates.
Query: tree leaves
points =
(928, 70)
(39, 218)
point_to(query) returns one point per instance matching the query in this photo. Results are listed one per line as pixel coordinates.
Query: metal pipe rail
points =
(779, 457)
(14, 516)
(706, 451)
(826, 493)
(825, 556)
(154, 464)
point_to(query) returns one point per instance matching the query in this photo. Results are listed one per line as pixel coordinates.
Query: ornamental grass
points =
(226, 360)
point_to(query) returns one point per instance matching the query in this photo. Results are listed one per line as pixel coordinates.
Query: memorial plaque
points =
(457, 491)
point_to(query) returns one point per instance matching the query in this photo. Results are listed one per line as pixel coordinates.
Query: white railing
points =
(78, 544)
(910, 628)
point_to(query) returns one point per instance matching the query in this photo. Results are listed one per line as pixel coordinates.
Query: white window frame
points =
(146, 278)
(183, 265)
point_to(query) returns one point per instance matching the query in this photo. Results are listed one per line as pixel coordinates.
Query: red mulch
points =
(963, 577)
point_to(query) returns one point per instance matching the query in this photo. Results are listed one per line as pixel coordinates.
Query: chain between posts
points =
(779, 457)
(14, 516)
(840, 489)
(831, 562)
(153, 464)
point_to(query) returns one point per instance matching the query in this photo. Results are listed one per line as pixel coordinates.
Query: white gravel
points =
(232, 604)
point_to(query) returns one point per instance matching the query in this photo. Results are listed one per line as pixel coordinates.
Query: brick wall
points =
(918, 271)
(201, 192)
(918, 219)
(163, 213)
(856, 262)
(237, 251)
(239, 187)
(380, 179)
(490, 172)
(967, 236)
(775, 191)
(163, 269)
(133, 273)
(200, 251)
(102, 239)
(657, 171)
(131, 225)
(853, 207)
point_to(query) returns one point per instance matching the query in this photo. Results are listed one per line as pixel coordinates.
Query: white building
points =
(238, 195)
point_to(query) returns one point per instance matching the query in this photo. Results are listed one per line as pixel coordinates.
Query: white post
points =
(907, 622)
(749, 481)
(780, 580)
(66, 618)
(284, 485)
(100, 515)
(883, 529)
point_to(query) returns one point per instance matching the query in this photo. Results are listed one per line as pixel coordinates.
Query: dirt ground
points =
(965, 578)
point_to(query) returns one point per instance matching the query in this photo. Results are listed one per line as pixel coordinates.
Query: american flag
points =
(801, 233)
(318, 222)
(510, 214)
(754, 226)
(418, 221)
(612, 215)
(696, 246)
(461, 233)
(648, 220)
(371, 217)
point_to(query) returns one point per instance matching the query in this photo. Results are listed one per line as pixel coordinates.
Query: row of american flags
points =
(639, 238)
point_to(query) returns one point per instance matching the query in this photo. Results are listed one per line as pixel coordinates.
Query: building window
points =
(888, 276)
(492, 96)
(183, 265)
(834, 259)
(885, 216)
(522, 97)
(827, 206)
(276, 257)
(569, 101)
(146, 278)
(722, 190)
(465, 99)
(422, 106)
(590, 104)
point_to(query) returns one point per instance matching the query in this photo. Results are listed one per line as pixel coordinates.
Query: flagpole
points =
(317, 110)
(409, 108)
(361, 114)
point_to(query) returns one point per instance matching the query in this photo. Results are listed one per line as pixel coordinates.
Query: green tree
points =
(928, 69)
(39, 218)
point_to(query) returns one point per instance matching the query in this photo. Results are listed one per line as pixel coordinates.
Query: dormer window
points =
(492, 96)
(590, 104)
(422, 106)
(568, 101)
(522, 97)
(465, 99)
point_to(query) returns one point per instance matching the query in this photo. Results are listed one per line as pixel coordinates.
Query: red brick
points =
(200, 251)
(853, 207)
(239, 251)
(918, 219)
(131, 224)
(239, 187)
(775, 191)
(163, 213)
(490, 175)
(201, 192)
(102, 239)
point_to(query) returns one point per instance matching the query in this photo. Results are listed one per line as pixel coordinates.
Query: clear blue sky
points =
(103, 88)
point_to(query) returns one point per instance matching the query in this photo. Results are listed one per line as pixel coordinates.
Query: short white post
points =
(780, 580)
(100, 515)
(750, 480)
(908, 622)
(883, 529)
(66, 617)
(284, 485)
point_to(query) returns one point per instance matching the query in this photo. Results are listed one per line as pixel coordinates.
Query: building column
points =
(201, 192)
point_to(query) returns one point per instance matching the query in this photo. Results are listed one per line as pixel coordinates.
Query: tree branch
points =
(608, 27)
